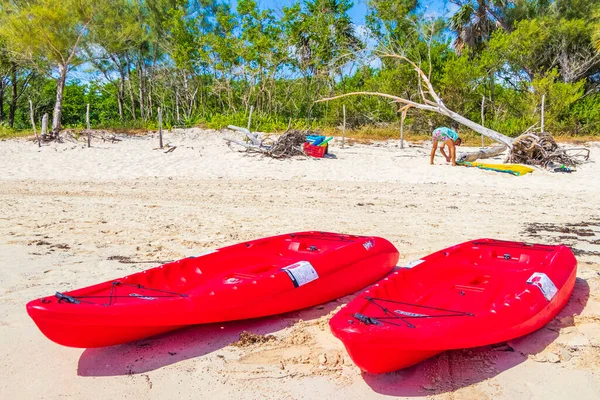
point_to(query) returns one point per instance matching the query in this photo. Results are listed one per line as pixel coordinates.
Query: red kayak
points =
(247, 280)
(473, 294)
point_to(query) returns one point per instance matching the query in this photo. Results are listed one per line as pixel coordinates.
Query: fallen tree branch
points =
(483, 153)
(529, 148)
(439, 108)
(246, 145)
(252, 136)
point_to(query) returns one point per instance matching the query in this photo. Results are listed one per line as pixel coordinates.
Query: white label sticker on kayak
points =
(301, 273)
(368, 244)
(207, 252)
(544, 283)
(413, 263)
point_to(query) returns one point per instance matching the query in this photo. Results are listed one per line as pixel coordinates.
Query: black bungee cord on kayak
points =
(392, 315)
(77, 299)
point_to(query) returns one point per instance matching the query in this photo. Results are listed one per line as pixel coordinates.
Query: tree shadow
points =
(194, 341)
(455, 369)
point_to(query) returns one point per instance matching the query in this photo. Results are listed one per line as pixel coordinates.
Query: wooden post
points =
(87, 123)
(33, 123)
(177, 105)
(250, 117)
(482, 118)
(543, 107)
(45, 125)
(344, 126)
(402, 118)
(160, 127)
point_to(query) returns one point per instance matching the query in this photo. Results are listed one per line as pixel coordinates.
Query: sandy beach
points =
(72, 216)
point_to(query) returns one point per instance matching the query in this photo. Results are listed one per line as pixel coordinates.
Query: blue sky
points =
(359, 11)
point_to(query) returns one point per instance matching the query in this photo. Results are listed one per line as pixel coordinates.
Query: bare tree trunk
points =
(87, 124)
(188, 96)
(141, 91)
(492, 89)
(2, 87)
(177, 105)
(121, 92)
(438, 108)
(131, 98)
(130, 87)
(483, 153)
(60, 86)
(120, 86)
(149, 97)
(160, 134)
(120, 104)
(121, 89)
(33, 122)
(45, 126)
(13, 102)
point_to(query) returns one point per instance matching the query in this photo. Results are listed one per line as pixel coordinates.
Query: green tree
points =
(49, 31)
(115, 34)
(475, 21)
(4, 71)
(393, 21)
(321, 39)
(263, 52)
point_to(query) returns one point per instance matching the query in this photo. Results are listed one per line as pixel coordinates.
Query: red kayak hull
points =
(474, 294)
(248, 280)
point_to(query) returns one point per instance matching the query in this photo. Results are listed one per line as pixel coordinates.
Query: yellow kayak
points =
(514, 169)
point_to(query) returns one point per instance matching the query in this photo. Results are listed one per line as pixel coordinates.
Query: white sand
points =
(126, 199)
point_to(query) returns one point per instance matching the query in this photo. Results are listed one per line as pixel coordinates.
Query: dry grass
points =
(7, 133)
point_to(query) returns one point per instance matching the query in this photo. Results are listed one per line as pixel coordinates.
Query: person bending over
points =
(448, 138)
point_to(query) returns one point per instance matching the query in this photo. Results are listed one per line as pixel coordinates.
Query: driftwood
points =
(45, 125)
(33, 123)
(483, 153)
(289, 144)
(250, 147)
(87, 125)
(253, 137)
(529, 148)
(540, 149)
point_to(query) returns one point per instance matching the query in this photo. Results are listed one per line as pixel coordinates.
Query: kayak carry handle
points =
(367, 320)
(66, 298)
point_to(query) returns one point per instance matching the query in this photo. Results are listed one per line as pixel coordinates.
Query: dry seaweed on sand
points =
(249, 339)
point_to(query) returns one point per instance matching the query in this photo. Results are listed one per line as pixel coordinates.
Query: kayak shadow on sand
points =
(452, 370)
(186, 343)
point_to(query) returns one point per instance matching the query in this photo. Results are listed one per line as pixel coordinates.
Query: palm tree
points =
(475, 21)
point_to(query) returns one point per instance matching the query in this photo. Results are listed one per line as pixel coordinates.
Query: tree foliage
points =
(203, 61)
